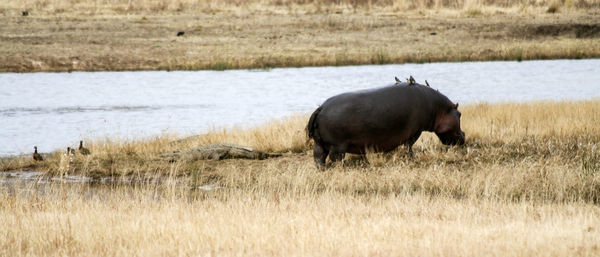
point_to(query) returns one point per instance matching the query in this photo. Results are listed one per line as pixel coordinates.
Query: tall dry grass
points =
(527, 183)
(146, 221)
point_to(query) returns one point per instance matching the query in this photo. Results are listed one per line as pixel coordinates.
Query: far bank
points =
(241, 39)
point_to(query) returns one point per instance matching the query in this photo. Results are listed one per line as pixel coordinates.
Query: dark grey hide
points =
(381, 119)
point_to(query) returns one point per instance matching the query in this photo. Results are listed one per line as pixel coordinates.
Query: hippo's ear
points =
(455, 106)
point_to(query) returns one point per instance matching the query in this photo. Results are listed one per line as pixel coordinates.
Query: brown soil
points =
(230, 40)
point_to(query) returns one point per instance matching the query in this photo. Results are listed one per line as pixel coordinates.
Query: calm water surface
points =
(55, 110)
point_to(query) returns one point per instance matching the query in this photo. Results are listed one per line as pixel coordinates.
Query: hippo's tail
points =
(311, 128)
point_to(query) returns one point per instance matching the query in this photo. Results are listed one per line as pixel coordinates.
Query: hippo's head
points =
(447, 126)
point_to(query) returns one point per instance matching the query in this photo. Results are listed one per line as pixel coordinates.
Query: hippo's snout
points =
(453, 139)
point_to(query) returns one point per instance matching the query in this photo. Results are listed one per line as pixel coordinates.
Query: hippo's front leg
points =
(411, 141)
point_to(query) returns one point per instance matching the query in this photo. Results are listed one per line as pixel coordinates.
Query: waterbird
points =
(36, 155)
(180, 33)
(82, 149)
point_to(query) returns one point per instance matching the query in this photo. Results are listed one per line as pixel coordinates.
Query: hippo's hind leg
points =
(320, 156)
(335, 156)
(337, 153)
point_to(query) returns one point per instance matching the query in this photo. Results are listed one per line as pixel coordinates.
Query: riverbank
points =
(526, 183)
(100, 37)
(543, 151)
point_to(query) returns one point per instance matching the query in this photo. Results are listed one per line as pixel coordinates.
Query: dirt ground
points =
(229, 40)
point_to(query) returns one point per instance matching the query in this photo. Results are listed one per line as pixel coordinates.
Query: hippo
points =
(381, 119)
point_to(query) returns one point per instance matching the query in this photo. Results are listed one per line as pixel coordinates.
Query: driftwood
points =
(217, 152)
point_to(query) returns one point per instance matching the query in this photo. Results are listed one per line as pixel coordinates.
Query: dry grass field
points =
(526, 183)
(138, 222)
(69, 35)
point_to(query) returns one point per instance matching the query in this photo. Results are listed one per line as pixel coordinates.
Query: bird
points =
(180, 33)
(397, 80)
(427, 83)
(411, 80)
(70, 151)
(25, 13)
(83, 150)
(36, 155)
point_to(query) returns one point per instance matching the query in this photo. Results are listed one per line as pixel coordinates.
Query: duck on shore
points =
(36, 155)
(82, 149)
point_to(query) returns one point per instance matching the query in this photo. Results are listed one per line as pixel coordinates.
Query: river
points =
(54, 110)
